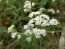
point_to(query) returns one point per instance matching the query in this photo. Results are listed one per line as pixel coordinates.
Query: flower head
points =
(33, 4)
(19, 36)
(28, 39)
(13, 35)
(53, 22)
(10, 29)
(51, 10)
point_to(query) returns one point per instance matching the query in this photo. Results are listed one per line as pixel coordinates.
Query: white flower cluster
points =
(34, 14)
(53, 22)
(36, 32)
(10, 29)
(27, 6)
(39, 32)
(28, 39)
(14, 33)
(42, 19)
(51, 11)
(38, 19)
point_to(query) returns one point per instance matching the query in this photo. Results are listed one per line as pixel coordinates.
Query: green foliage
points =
(11, 12)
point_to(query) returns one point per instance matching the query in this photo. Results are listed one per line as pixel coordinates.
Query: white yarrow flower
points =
(31, 25)
(10, 29)
(45, 23)
(33, 4)
(43, 32)
(34, 14)
(26, 27)
(27, 6)
(38, 36)
(28, 39)
(37, 12)
(52, 11)
(44, 16)
(31, 21)
(37, 19)
(28, 32)
(26, 10)
(53, 22)
(31, 14)
(39, 32)
(13, 35)
(19, 36)
(37, 22)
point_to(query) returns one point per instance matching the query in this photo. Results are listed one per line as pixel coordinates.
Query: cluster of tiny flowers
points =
(34, 14)
(53, 22)
(14, 33)
(38, 19)
(51, 11)
(42, 19)
(39, 32)
(10, 29)
(36, 32)
(18, 36)
(28, 39)
(27, 6)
